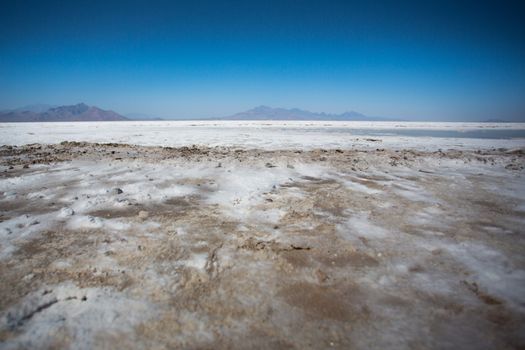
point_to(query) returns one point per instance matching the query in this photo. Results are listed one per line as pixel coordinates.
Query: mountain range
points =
(83, 112)
(74, 113)
(270, 113)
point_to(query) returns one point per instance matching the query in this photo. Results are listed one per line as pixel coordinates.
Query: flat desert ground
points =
(230, 235)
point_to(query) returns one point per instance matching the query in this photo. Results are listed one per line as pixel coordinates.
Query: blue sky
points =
(416, 60)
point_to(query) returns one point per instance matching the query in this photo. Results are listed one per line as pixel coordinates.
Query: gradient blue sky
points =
(417, 60)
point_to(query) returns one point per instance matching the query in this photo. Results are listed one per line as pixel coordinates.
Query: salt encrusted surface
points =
(120, 246)
(274, 135)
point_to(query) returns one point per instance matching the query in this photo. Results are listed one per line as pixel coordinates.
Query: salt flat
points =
(263, 235)
(263, 134)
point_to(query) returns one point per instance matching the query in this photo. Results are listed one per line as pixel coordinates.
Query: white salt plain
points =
(261, 134)
(366, 241)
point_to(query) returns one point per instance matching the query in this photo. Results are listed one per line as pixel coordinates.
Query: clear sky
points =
(423, 60)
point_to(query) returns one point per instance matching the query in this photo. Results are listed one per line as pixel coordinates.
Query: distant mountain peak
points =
(77, 109)
(270, 113)
(77, 112)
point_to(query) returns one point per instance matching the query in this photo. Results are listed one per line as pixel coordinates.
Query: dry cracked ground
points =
(117, 246)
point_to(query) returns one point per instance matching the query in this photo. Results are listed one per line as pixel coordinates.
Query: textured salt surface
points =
(133, 247)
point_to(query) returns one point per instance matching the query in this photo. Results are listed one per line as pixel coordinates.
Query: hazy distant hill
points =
(83, 112)
(269, 113)
(78, 112)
